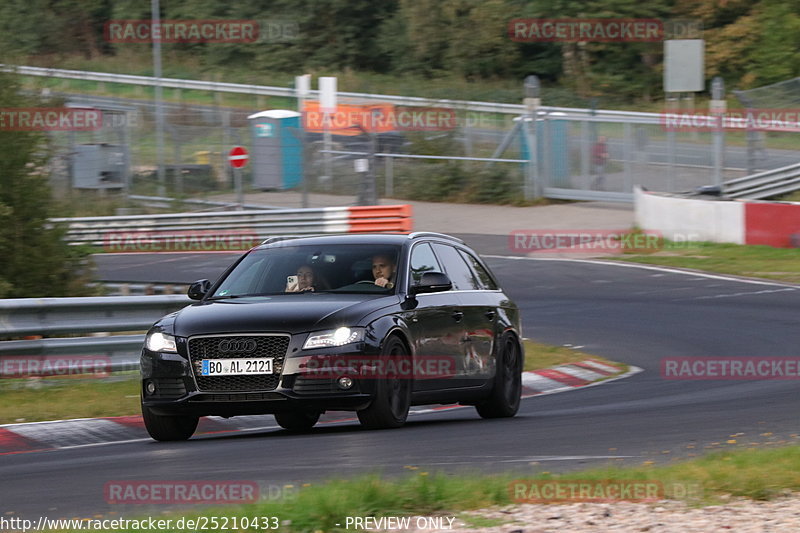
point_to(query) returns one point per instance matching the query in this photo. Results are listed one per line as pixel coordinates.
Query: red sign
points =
(238, 157)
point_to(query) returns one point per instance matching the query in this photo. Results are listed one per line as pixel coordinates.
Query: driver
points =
(384, 270)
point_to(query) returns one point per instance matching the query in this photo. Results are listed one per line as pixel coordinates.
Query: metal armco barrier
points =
(230, 229)
(20, 317)
(53, 316)
(764, 184)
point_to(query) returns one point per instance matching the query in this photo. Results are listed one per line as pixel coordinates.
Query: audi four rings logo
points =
(237, 345)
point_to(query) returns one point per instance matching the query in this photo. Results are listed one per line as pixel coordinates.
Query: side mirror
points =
(431, 282)
(198, 289)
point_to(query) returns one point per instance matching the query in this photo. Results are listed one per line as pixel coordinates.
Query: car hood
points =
(293, 313)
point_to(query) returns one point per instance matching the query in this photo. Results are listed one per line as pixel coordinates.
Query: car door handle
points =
(489, 314)
(457, 316)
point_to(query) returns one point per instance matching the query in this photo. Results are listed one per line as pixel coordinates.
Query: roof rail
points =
(271, 240)
(418, 234)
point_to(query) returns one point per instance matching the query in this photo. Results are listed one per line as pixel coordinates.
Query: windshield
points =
(311, 269)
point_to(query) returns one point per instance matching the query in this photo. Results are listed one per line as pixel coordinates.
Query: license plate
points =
(236, 367)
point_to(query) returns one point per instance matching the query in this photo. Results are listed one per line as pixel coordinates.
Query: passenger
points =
(306, 280)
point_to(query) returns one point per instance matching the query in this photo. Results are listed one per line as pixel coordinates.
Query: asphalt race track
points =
(630, 314)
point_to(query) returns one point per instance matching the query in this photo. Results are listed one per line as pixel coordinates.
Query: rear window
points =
(480, 273)
(456, 268)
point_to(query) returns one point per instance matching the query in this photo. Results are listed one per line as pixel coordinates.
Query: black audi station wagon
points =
(366, 323)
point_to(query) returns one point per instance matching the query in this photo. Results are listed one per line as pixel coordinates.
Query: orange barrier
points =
(380, 218)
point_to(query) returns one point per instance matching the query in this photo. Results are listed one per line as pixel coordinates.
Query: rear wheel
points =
(389, 407)
(167, 428)
(507, 392)
(297, 420)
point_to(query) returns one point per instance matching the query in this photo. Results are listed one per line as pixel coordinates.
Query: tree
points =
(36, 262)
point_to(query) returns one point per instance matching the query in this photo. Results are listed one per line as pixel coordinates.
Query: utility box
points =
(98, 166)
(277, 151)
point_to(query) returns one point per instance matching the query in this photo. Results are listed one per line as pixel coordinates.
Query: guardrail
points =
(58, 316)
(764, 184)
(229, 229)
(266, 90)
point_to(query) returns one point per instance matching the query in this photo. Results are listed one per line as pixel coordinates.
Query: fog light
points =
(345, 383)
(150, 387)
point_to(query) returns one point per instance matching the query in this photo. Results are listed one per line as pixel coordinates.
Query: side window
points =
(479, 272)
(455, 268)
(423, 260)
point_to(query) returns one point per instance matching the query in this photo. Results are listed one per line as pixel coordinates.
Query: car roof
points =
(356, 238)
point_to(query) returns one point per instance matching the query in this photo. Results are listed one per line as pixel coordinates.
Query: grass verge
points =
(34, 400)
(539, 355)
(758, 474)
(37, 399)
(782, 264)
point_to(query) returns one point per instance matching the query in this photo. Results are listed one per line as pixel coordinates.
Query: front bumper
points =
(177, 391)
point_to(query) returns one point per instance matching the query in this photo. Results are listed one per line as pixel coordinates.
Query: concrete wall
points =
(682, 219)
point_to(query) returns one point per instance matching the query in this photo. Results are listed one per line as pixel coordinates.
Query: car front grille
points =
(274, 346)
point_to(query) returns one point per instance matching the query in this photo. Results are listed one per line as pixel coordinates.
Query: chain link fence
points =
(476, 157)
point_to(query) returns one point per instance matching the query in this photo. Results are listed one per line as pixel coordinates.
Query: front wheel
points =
(507, 392)
(167, 428)
(389, 407)
(297, 421)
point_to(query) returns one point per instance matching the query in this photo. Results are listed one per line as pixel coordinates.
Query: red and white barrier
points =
(230, 230)
(734, 221)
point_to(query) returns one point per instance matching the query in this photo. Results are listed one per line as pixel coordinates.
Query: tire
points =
(169, 428)
(507, 392)
(389, 407)
(297, 420)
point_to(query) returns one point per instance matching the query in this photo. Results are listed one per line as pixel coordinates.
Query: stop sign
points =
(238, 157)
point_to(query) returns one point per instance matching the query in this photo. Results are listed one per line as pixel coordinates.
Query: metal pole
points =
(156, 32)
(673, 104)
(389, 176)
(126, 150)
(226, 143)
(302, 84)
(718, 112)
(306, 169)
(327, 160)
(533, 189)
(237, 179)
(372, 188)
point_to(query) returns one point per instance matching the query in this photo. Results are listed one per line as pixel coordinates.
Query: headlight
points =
(160, 342)
(334, 337)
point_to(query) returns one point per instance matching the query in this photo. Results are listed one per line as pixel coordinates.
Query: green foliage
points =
(36, 262)
(748, 42)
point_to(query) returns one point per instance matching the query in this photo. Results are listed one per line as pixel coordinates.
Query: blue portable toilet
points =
(557, 152)
(277, 152)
